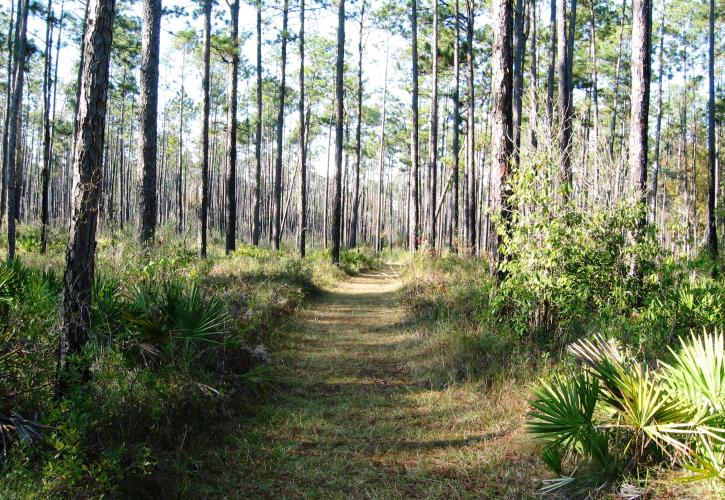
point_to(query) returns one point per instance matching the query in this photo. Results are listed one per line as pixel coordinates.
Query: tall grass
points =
(175, 358)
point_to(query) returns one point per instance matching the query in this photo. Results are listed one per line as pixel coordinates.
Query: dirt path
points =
(351, 421)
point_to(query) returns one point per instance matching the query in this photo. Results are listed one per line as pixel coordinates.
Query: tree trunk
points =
(149, 99)
(616, 82)
(711, 185)
(358, 145)
(302, 226)
(14, 154)
(471, 212)
(180, 164)
(552, 63)
(204, 197)
(519, 42)
(502, 125)
(534, 81)
(381, 164)
(595, 97)
(339, 118)
(433, 140)
(565, 108)
(53, 131)
(256, 221)
(87, 173)
(277, 189)
(413, 216)
(641, 41)
(44, 216)
(326, 214)
(231, 180)
(456, 125)
(86, 13)
(658, 124)
(122, 157)
(8, 100)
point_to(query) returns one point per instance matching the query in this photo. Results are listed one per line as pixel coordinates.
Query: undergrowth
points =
(569, 282)
(180, 348)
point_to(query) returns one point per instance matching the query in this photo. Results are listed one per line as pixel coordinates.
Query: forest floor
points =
(349, 419)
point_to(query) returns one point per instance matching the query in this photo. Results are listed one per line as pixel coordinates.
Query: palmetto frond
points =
(564, 409)
(177, 313)
(697, 375)
(679, 409)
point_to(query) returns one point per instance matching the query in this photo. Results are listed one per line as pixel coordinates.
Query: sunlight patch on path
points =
(351, 422)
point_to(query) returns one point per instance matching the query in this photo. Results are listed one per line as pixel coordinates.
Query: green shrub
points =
(175, 315)
(678, 304)
(355, 260)
(107, 309)
(579, 266)
(173, 355)
(255, 252)
(28, 310)
(617, 415)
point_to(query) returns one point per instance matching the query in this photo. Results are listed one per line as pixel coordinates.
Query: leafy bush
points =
(107, 308)
(28, 305)
(678, 304)
(255, 252)
(175, 316)
(169, 357)
(557, 278)
(355, 260)
(617, 414)
(569, 273)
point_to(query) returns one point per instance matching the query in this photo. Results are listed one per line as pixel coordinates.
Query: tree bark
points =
(231, 180)
(641, 41)
(502, 126)
(658, 123)
(565, 108)
(204, 195)
(519, 42)
(358, 130)
(552, 63)
(256, 221)
(148, 102)
(326, 214)
(595, 96)
(53, 132)
(8, 99)
(381, 163)
(302, 226)
(14, 156)
(87, 173)
(433, 140)
(277, 189)
(471, 212)
(45, 174)
(339, 119)
(711, 153)
(413, 215)
(456, 125)
(180, 158)
(615, 106)
(534, 81)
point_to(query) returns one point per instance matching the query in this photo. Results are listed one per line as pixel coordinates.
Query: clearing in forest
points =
(350, 420)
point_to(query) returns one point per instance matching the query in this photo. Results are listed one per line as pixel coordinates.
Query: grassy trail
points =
(350, 420)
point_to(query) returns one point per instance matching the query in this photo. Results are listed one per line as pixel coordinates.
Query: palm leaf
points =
(563, 410)
(697, 375)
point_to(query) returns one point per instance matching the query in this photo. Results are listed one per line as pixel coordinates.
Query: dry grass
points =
(351, 420)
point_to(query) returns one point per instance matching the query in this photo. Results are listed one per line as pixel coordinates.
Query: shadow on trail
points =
(349, 419)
